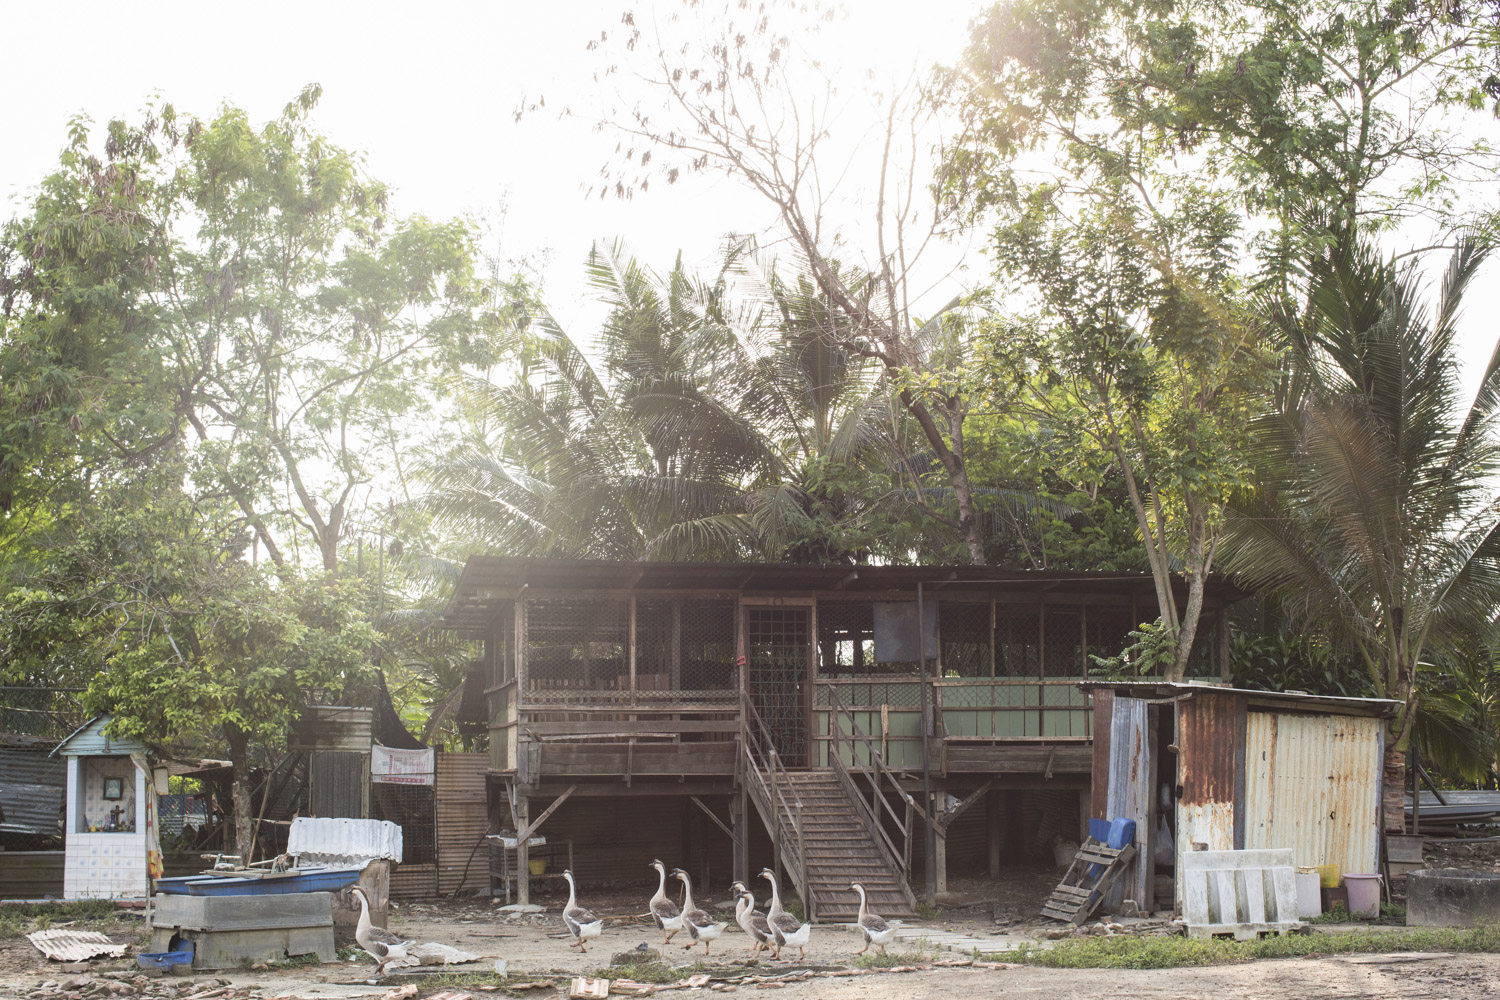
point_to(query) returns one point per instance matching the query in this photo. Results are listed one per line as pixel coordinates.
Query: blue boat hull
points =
(318, 880)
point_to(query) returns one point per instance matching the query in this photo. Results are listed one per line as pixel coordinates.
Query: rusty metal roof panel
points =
(1312, 783)
(1289, 700)
(74, 946)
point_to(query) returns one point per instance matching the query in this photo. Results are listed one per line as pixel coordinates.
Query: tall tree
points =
(1374, 514)
(247, 287)
(705, 428)
(742, 92)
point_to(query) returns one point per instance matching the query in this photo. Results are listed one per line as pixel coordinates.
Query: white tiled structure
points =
(100, 863)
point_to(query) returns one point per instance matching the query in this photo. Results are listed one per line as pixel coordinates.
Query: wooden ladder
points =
(1094, 869)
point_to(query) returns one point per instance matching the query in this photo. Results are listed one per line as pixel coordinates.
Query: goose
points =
(379, 943)
(872, 926)
(665, 912)
(786, 932)
(581, 923)
(700, 926)
(751, 920)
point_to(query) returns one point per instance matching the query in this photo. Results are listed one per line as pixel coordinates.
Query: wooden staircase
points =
(825, 834)
(839, 848)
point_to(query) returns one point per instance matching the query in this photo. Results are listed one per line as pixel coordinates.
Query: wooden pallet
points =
(1094, 869)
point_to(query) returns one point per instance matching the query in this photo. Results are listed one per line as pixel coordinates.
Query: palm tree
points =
(1375, 520)
(697, 435)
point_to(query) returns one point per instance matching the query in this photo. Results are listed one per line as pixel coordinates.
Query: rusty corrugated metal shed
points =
(1312, 783)
(462, 820)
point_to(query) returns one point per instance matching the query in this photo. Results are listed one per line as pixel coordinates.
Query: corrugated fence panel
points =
(462, 821)
(1208, 737)
(31, 874)
(31, 792)
(1310, 785)
(337, 781)
(1130, 788)
(412, 881)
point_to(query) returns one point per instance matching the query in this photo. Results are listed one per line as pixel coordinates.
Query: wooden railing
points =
(770, 785)
(882, 784)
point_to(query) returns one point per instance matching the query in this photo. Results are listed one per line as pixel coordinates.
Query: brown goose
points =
(664, 912)
(379, 943)
(581, 923)
(873, 927)
(700, 925)
(751, 920)
(786, 930)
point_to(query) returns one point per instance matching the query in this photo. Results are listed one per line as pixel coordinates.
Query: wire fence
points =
(49, 713)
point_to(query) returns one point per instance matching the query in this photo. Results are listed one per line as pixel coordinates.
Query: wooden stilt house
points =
(745, 712)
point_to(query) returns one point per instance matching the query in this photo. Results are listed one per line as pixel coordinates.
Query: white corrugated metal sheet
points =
(1312, 784)
(74, 946)
(340, 841)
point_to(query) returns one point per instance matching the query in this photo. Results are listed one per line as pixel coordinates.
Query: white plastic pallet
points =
(1244, 893)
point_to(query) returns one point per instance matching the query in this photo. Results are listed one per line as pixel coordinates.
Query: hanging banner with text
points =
(401, 767)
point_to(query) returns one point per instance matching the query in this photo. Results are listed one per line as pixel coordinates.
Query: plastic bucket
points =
(537, 867)
(1309, 894)
(1329, 875)
(1364, 895)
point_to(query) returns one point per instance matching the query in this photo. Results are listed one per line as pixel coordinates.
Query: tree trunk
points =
(239, 758)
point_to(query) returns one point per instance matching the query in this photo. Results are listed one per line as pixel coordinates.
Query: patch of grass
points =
(73, 909)
(1177, 952)
(875, 960)
(928, 912)
(649, 972)
(350, 951)
(1335, 914)
(296, 961)
(11, 924)
(455, 979)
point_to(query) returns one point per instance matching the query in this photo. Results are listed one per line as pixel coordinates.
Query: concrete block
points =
(1452, 897)
(227, 932)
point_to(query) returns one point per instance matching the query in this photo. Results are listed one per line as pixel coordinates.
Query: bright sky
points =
(427, 92)
(429, 96)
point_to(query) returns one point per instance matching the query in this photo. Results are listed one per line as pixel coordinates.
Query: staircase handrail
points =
(757, 742)
(877, 760)
(894, 857)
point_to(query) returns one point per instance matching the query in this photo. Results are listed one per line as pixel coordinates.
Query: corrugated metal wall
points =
(1209, 739)
(462, 821)
(1130, 786)
(337, 783)
(1312, 784)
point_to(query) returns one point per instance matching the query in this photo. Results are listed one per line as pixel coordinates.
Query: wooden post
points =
(942, 861)
(775, 813)
(523, 856)
(992, 831)
(737, 805)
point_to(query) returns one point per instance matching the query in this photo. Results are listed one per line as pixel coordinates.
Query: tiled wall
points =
(104, 865)
(94, 807)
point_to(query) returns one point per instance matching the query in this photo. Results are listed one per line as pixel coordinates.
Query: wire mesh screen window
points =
(776, 642)
(846, 642)
(706, 645)
(577, 645)
(1018, 641)
(414, 809)
(964, 633)
(1062, 642)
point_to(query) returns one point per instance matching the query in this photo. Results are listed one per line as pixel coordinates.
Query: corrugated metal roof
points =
(74, 946)
(489, 582)
(339, 841)
(1312, 784)
(1297, 700)
(31, 792)
(90, 740)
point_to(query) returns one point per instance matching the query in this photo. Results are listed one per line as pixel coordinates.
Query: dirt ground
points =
(536, 946)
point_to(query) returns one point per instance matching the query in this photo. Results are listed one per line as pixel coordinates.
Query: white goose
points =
(665, 912)
(581, 923)
(751, 921)
(379, 943)
(875, 929)
(786, 931)
(700, 925)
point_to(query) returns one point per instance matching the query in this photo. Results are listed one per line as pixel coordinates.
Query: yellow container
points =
(539, 867)
(1328, 876)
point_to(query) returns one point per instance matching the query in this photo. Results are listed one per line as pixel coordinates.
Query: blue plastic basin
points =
(163, 959)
